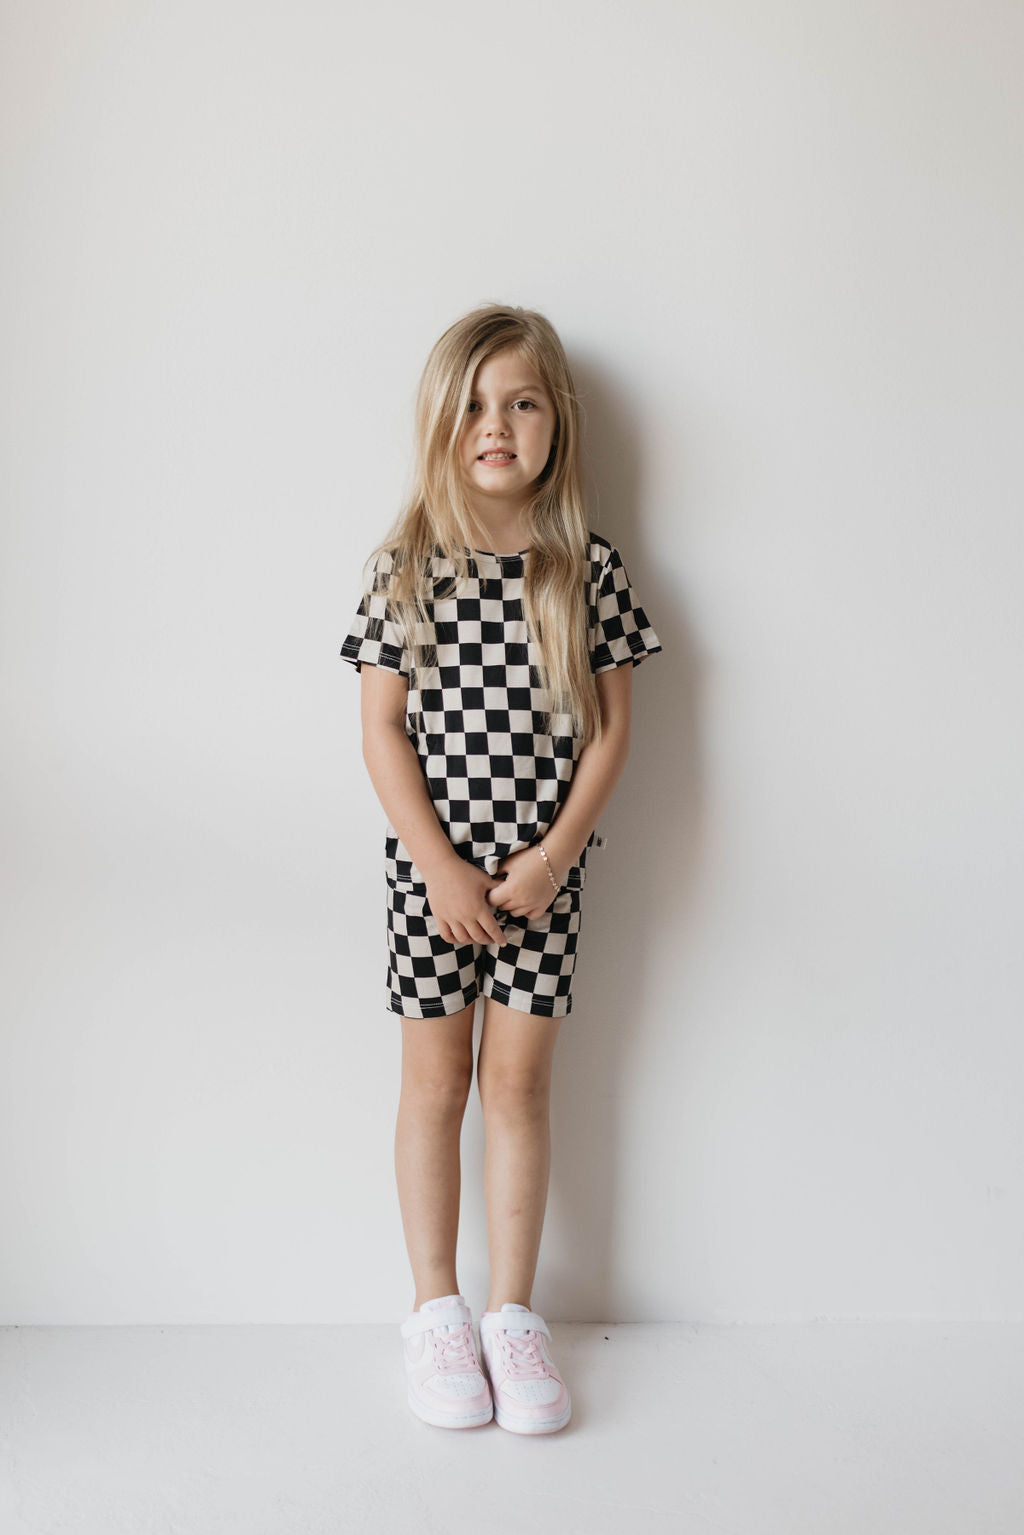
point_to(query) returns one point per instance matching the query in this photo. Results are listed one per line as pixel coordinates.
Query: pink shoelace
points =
(521, 1357)
(453, 1351)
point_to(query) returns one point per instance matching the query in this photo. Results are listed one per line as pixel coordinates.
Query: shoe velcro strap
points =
(514, 1321)
(444, 1316)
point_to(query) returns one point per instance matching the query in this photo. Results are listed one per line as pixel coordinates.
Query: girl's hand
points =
(457, 896)
(526, 890)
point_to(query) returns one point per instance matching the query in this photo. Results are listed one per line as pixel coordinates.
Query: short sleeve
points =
(373, 637)
(620, 630)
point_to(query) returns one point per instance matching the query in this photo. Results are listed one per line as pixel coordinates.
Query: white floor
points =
(914, 1429)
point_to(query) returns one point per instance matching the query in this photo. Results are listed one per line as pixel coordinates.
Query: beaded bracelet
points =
(547, 862)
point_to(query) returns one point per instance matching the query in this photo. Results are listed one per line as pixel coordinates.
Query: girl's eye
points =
(530, 404)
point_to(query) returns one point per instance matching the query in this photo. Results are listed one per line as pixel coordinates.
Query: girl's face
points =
(508, 431)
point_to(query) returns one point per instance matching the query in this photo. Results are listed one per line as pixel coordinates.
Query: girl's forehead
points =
(510, 368)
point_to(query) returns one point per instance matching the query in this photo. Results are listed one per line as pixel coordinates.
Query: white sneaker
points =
(446, 1383)
(530, 1396)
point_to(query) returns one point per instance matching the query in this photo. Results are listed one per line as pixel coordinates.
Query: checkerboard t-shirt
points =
(496, 775)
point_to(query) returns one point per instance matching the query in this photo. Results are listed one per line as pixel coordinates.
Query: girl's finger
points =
(490, 930)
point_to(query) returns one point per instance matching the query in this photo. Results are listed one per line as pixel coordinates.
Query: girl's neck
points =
(499, 535)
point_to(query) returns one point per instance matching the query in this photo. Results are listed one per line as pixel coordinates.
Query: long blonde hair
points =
(436, 518)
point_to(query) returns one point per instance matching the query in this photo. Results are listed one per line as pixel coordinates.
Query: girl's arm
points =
(394, 769)
(597, 772)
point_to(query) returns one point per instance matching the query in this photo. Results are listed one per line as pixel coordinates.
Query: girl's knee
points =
(439, 1084)
(508, 1092)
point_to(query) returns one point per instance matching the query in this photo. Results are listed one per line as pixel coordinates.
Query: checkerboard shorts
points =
(532, 972)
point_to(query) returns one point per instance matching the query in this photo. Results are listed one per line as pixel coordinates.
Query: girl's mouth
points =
(497, 459)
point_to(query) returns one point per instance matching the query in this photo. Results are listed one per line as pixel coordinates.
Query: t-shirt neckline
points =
(515, 555)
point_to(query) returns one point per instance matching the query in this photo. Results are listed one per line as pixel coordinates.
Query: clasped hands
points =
(464, 898)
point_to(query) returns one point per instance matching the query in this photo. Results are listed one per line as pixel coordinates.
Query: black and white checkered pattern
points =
(532, 972)
(496, 776)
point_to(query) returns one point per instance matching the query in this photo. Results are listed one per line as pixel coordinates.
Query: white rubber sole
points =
(537, 1426)
(447, 1419)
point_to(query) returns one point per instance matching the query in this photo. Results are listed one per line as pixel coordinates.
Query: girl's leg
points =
(514, 1076)
(437, 1071)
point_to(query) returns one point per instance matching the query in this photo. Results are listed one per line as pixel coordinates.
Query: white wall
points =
(782, 244)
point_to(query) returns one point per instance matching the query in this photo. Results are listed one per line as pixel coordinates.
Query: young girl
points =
(496, 638)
